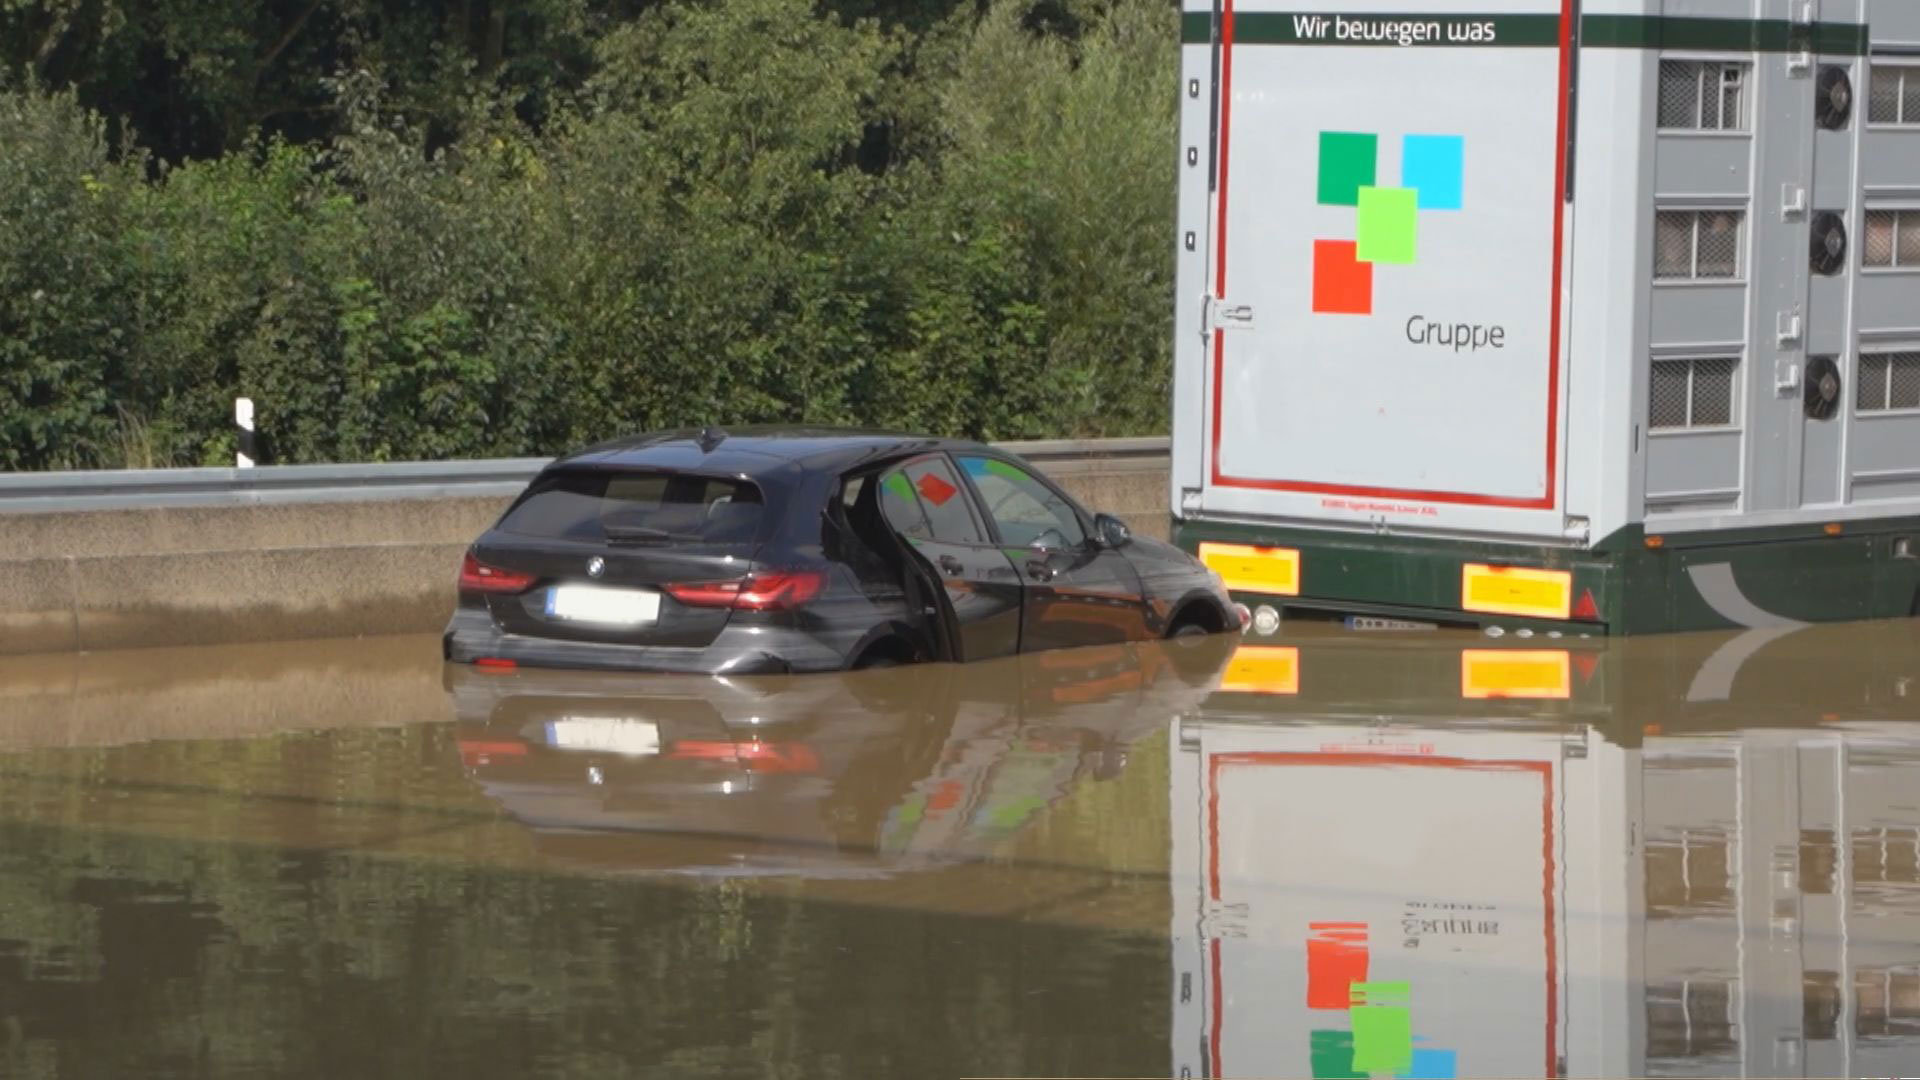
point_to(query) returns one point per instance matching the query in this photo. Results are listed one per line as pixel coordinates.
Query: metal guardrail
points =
(120, 489)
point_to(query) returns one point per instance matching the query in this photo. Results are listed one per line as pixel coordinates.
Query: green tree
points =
(67, 313)
(530, 225)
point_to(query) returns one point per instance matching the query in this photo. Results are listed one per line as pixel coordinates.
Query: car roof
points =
(759, 450)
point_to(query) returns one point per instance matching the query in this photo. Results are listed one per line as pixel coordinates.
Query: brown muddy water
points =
(1328, 855)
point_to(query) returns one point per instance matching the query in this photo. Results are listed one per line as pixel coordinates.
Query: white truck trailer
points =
(1683, 856)
(1598, 316)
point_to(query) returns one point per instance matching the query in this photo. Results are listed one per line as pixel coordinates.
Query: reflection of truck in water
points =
(1369, 903)
(1693, 858)
(1589, 318)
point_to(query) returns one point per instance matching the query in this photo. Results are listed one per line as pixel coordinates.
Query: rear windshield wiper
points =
(635, 534)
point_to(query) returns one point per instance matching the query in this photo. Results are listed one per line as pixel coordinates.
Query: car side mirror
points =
(1113, 532)
(1048, 542)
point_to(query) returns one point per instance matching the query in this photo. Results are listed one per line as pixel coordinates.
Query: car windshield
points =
(637, 508)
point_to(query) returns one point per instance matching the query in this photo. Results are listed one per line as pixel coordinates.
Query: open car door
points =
(925, 505)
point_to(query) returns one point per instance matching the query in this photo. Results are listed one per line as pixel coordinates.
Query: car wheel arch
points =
(897, 641)
(1198, 607)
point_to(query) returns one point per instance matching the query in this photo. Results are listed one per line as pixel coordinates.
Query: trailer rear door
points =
(1383, 336)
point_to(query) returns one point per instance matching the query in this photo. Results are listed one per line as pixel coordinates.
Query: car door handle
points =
(951, 565)
(1039, 571)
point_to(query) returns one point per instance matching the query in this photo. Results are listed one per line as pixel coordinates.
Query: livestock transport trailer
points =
(1588, 316)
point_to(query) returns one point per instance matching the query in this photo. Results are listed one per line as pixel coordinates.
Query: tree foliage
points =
(486, 227)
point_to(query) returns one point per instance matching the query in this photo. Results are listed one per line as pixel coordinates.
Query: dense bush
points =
(728, 211)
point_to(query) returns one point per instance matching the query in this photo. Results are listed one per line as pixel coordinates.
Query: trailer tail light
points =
(1516, 590)
(1263, 669)
(476, 576)
(1540, 675)
(777, 590)
(1245, 568)
(495, 663)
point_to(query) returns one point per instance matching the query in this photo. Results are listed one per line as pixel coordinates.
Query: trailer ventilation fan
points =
(1829, 249)
(1833, 101)
(1823, 388)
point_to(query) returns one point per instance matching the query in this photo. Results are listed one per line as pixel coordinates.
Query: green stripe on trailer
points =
(1741, 578)
(1727, 35)
(1536, 31)
(1390, 30)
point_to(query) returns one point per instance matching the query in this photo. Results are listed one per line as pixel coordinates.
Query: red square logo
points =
(935, 490)
(1342, 284)
(1336, 959)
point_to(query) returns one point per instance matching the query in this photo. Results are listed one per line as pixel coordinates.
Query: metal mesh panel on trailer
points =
(1910, 96)
(1883, 95)
(1719, 245)
(1870, 386)
(1673, 244)
(1691, 1019)
(1731, 79)
(1712, 392)
(1667, 394)
(1903, 380)
(1908, 231)
(1878, 249)
(1680, 94)
(1701, 95)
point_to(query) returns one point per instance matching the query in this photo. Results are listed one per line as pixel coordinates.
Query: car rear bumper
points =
(738, 650)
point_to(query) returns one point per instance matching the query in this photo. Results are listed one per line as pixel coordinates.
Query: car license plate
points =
(634, 738)
(608, 607)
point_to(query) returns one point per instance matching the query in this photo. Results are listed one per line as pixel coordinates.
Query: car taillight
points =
(777, 590)
(480, 577)
(753, 756)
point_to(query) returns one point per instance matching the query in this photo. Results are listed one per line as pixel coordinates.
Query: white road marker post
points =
(245, 455)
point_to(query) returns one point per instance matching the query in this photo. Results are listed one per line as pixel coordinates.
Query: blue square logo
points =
(1432, 165)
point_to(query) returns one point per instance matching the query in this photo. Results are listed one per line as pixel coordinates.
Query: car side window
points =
(902, 507)
(944, 501)
(943, 513)
(1024, 508)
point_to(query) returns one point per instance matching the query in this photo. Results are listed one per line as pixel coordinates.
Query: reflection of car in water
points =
(842, 774)
(786, 550)
(1424, 857)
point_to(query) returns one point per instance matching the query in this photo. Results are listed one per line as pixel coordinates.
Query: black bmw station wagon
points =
(768, 550)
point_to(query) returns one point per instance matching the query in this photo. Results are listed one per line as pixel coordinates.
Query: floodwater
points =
(1331, 854)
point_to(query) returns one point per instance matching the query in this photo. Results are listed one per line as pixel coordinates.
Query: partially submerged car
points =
(783, 549)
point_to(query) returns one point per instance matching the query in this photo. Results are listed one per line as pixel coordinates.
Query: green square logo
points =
(1389, 224)
(1347, 164)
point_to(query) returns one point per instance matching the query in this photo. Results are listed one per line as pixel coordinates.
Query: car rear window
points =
(638, 508)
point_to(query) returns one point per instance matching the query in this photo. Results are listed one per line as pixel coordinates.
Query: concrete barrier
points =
(205, 560)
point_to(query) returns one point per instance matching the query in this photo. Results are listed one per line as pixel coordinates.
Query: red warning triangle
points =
(1586, 608)
(1585, 663)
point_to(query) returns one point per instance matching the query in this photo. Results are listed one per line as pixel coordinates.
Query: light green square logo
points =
(1389, 225)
